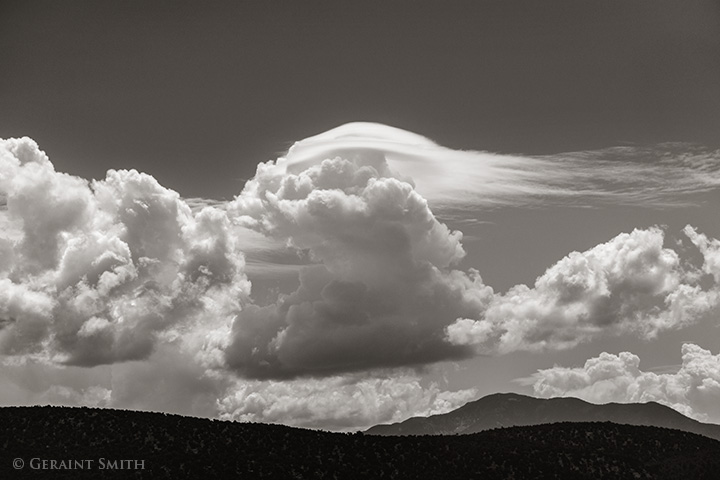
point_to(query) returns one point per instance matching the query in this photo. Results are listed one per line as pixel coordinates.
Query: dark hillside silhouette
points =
(172, 446)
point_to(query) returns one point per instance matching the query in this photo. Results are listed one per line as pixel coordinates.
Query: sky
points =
(338, 214)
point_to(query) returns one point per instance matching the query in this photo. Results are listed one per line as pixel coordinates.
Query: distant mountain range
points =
(511, 409)
(83, 443)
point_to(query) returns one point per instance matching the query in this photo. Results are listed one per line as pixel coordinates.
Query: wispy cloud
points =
(664, 175)
(659, 176)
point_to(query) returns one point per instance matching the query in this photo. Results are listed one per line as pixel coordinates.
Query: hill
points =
(511, 409)
(170, 446)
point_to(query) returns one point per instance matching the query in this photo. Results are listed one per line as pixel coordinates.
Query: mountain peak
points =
(512, 409)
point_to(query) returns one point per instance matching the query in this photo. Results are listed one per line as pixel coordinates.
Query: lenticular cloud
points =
(662, 175)
(100, 272)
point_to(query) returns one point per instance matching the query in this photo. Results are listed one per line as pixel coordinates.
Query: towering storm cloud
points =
(381, 288)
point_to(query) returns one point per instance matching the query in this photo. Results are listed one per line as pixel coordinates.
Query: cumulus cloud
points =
(124, 274)
(693, 390)
(710, 250)
(381, 287)
(340, 402)
(345, 198)
(110, 285)
(631, 284)
(99, 270)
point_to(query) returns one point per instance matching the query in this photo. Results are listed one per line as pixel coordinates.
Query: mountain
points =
(79, 443)
(511, 409)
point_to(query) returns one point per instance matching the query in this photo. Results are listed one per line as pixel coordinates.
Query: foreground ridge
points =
(172, 446)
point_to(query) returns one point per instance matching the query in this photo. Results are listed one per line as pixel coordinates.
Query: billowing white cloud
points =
(125, 277)
(99, 270)
(631, 284)
(340, 402)
(381, 288)
(114, 284)
(341, 198)
(710, 250)
(347, 402)
(693, 390)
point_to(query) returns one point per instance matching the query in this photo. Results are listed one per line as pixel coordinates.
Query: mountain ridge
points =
(79, 443)
(501, 410)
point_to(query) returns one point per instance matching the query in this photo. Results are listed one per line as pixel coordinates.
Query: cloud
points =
(180, 386)
(340, 402)
(381, 287)
(631, 284)
(661, 176)
(457, 183)
(177, 384)
(26, 381)
(710, 250)
(664, 175)
(129, 286)
(346, 200)
(98, 271)
(101, 272)
(126, 280)
(694, 390)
